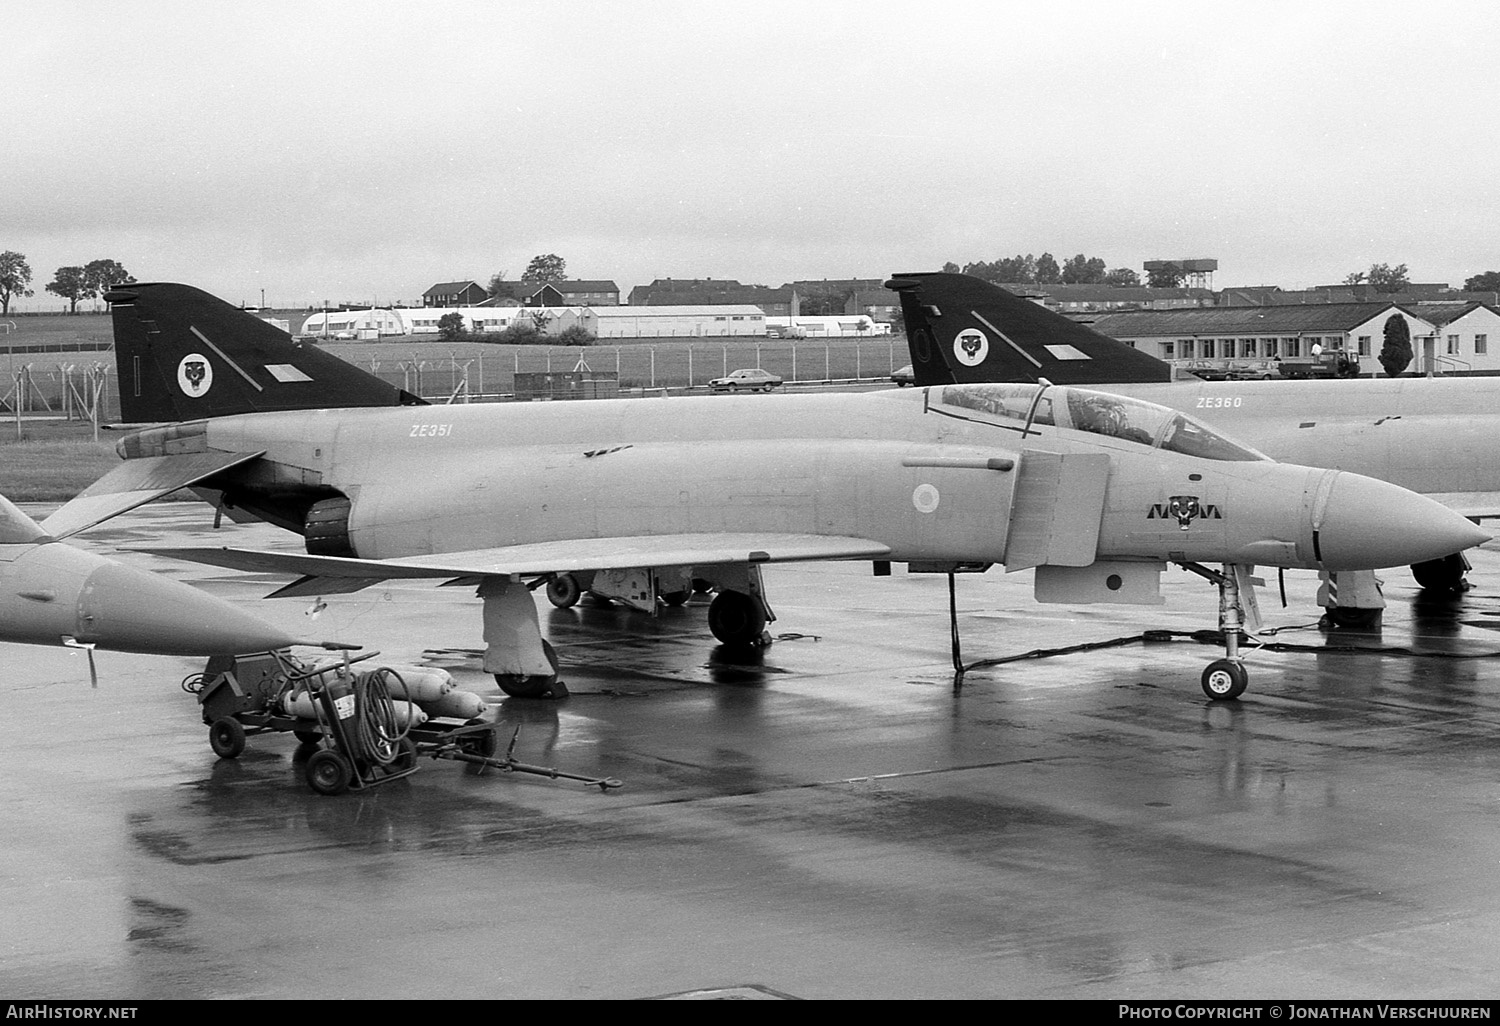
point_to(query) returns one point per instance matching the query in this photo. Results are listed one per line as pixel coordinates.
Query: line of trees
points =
(1045, 270)
(74, 283)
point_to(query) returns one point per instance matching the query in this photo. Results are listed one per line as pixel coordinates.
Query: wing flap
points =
(539, 557)
(135, 483)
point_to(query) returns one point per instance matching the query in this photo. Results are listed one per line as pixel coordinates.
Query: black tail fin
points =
(182, 354)
(962, 329)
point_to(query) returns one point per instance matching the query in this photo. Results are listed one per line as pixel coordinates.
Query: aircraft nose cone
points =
(1369, 524)
(132, 610)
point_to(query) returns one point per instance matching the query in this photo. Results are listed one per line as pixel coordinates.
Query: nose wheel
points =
(1224, 679)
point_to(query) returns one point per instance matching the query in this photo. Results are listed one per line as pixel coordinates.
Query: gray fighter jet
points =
(1095, 491)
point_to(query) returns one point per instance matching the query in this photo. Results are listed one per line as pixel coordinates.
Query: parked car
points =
(904, 376)
(750, 378)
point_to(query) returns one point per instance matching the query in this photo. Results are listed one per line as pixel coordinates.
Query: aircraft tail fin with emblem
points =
(182, 354)
(962, 329)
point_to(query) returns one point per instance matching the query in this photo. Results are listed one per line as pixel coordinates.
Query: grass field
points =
(53, 461)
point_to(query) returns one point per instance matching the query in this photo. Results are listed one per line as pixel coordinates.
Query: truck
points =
(1329, 363)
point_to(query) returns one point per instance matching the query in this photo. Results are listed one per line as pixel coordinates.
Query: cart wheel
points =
(226, 737)
(484, 744)
(308, 737)
(328, 772)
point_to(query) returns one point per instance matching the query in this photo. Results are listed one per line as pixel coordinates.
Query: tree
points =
(1489, 281)
(451, 326)
(497, 279)
(69, 282)
(1168, 276)
(577, 335)
(950, 268)
(1122, 277)
(544, 268)
(101, 275)
(1047, 271)
(1388, 279)
(1396, 353)
(1354, 278)
(15, 275)
(1082, 270)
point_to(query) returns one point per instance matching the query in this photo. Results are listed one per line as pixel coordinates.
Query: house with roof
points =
(782, 302)
(1266, 333)
(455, 293)
(1465, 338)
(576, 292)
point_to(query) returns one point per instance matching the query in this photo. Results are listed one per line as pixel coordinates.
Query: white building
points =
(665, 321)
(845, 326)
(348, 324)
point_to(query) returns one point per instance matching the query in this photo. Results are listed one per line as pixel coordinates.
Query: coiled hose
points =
(376, 735)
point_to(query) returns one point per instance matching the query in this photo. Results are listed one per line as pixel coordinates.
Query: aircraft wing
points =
(1474, 505)
(324, 575)
(135, 483)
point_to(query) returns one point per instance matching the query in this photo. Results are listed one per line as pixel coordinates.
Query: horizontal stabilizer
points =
(135, 483)
(538, 557)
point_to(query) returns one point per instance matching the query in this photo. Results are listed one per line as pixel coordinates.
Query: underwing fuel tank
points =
(52, 591)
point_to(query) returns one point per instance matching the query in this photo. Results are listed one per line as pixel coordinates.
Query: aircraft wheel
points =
(702, 587)
(308, 737)
(736, 618)
(226, 737)
(1224, 679)
(1442, 575)
(563, 591)
(676, 598)
(537, 685)
(328, 772)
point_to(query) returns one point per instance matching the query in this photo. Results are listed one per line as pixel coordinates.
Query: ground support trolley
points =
(360, 721)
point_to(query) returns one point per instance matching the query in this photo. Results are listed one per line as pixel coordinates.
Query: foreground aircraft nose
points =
(131, 610)
(1369, 524)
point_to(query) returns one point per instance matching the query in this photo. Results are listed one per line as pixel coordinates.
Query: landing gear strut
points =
(1227, 678)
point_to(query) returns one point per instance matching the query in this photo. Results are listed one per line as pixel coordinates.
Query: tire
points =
(736, 618)
(226, 737)
(484, 744)
(1444, 575)
(1224, 679)
(308, 737)
(676, 598)
(406, 755)
(563, 591)
(328, 772)
(540, 685)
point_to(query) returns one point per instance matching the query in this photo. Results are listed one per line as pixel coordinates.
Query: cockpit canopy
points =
(16, 528)
(1083, 409)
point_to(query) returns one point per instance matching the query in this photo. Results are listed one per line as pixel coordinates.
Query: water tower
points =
(1197, 273)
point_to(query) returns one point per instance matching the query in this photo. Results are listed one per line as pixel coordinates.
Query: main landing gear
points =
(1446, 576)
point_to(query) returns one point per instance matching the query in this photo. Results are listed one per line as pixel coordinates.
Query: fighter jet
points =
(57, 594)
(1095, 491)
(1432, 436)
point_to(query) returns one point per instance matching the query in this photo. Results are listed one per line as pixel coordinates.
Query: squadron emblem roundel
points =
(971, 347)
(195, 376)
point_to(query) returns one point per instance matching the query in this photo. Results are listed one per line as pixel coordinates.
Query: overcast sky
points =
(353, 151)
